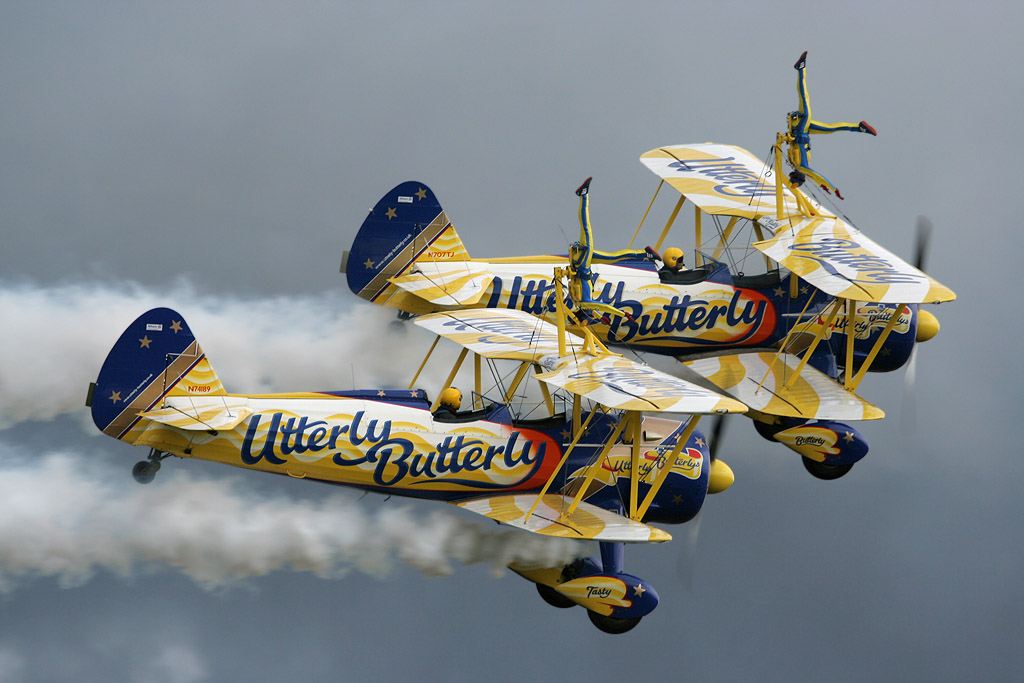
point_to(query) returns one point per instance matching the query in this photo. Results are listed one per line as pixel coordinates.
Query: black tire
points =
(823, 471)
(553, 597)
(611, 624)
(144, 471)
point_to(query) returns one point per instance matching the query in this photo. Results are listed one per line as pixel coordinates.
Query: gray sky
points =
(219, 157)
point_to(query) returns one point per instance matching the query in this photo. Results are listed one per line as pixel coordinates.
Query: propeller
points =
(687, 562)
(924, 233)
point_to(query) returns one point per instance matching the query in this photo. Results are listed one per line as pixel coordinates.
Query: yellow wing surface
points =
(607, 378)
(620, 383)
(840, 260)
(768, 383)
(720, 179)
(587, 522)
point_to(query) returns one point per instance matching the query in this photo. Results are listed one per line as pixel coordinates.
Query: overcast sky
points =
(219, 157)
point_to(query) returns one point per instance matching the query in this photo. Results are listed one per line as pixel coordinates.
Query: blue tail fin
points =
(156, 356)
(405, 226)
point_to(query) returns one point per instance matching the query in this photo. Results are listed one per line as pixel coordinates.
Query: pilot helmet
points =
(673, 257)
(451, 398)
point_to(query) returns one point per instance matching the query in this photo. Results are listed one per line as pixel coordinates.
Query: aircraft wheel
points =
(823, 471)
(553, 597)
(145, 471)
(611, 624)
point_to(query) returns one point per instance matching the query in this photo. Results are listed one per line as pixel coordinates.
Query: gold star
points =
(566, 433)
(778, 291)
(368, 264)
(176, 326)
(414, 394)
(677, 500)
(699, 442)
(638, 590)
(115, 396)
(145, 342)
(390, 213)
(421, 193)
(803, 290)
(848, 438)
(381, 393)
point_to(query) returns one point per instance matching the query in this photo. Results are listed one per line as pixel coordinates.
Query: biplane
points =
(601, 462)
(786, 308)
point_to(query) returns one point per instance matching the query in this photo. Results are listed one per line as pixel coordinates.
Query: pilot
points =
(448, 406)
(673, 264)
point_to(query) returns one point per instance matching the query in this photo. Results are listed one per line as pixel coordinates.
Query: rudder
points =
(407, 225)
(156, 356)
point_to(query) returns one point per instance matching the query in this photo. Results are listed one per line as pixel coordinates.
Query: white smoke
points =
(64, 518)
(56, 339)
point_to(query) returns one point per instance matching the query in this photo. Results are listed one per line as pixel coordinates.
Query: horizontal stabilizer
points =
(840, 260)
(447, 284)
(811, 395)
(587, 522)
(202, 413)
(620, 383)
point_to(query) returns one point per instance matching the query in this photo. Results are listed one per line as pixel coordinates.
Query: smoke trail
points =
(66, 518)
(56, 339)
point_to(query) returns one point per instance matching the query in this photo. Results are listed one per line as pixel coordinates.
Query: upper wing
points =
(607, 378)
(840, 260)
(620, 383)
(458, 283)
(721, 179)
(499, 333)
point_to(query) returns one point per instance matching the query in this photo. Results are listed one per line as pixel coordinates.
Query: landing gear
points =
(612, 624)
(145, 470)
(823, 471)
(553, 597)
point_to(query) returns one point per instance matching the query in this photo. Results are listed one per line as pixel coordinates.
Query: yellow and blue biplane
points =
(785, 309)
(599, 464)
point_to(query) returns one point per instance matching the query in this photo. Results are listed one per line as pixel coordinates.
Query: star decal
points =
(414, 394)
(145, 342)
(699, 442)
(677, 500)
(176, 326)
(381, 393)
(804, 290)
(779, 292)
(848, 438)
(390, 213)
(115, 396)
(421, 193)
(566, 433)
(368, 264)
(638, 590)
(886, 351)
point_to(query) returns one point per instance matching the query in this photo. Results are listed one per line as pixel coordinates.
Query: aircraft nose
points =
(927, 325)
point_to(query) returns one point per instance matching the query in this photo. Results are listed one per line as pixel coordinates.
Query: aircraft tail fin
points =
(156, 357)
(406, 226)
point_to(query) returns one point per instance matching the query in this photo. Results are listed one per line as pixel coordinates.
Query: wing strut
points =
(561, 463)
(667, 467)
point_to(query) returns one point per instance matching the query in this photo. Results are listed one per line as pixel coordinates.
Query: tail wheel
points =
(145, 471)
(553, 597)
(823, 471)
(612, 624)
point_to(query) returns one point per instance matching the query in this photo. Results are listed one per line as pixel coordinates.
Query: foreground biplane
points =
(787, 306)
(600, 468)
